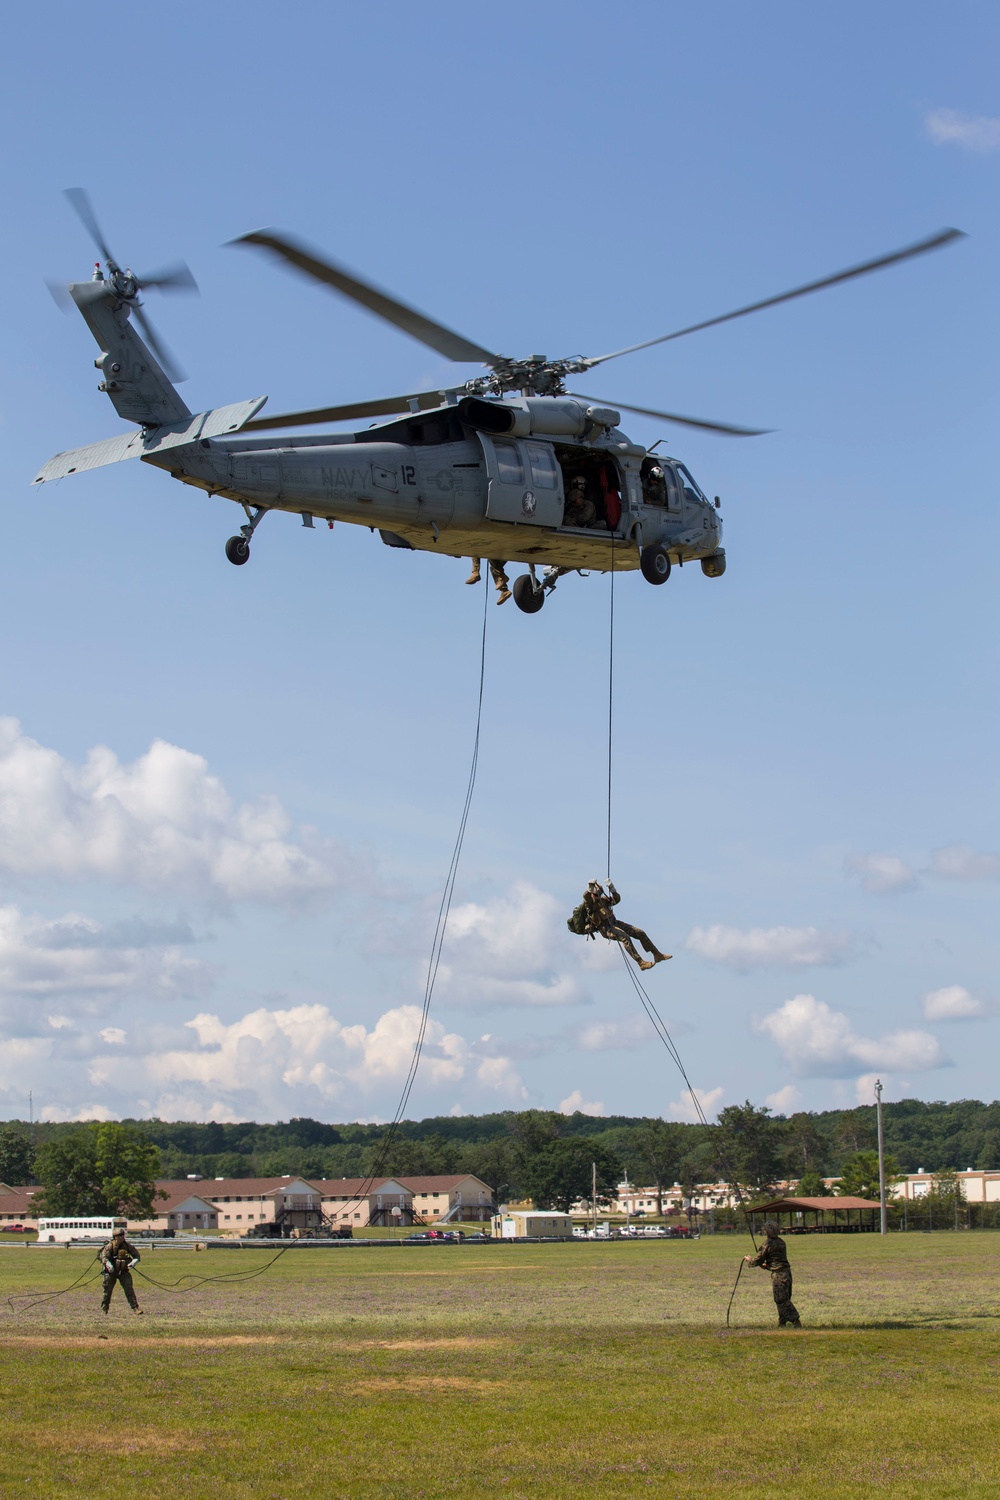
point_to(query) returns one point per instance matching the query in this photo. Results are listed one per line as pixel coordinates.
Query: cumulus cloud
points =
(49, 967)
(684, 1108)
(273, 1062)
(769, 947)
(575, 1103)
(506, 952)
(163, 822)
(953, 127)
(883, 872)
(817, 1042)
(784, 1099)
(960, 862)
(610, 1036)
(953, 1003)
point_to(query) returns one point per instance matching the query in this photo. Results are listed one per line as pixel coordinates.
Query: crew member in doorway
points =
(117, 1259)
(773, 1257)
(579, 511)
(498, 572)
(595, 916)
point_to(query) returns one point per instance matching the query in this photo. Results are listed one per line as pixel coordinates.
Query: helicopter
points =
(481, 469)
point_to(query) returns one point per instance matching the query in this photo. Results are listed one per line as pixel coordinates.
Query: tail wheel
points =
(238, 550)
(655, 564)
(526, 596)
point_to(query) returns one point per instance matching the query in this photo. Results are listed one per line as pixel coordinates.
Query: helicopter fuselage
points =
(477, 477)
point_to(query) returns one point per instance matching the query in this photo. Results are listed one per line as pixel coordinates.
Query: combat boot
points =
(475, 575)
(503, 595)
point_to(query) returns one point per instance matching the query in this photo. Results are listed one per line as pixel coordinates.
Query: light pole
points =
(883, 1216)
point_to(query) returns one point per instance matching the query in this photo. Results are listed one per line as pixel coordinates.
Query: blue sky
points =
(228, 796)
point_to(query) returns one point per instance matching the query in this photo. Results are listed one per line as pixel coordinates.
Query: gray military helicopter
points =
(481, 469)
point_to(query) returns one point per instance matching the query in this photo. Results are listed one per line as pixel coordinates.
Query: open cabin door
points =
(525, 482)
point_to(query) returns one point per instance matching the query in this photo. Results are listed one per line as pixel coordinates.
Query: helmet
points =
(579, 481)
(656, 472)
(771, 1229)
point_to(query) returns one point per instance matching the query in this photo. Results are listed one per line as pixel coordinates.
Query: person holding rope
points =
(774, 1258)
(117, 1259)
(595, 916)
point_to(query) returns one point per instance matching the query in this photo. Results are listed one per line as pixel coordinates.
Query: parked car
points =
(12, 1229)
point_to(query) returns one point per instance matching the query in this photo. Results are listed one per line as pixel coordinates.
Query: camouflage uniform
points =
(594, 915)
(116, 1259)
(774, 1258)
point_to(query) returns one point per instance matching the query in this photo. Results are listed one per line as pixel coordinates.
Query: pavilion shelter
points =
(818, 1215)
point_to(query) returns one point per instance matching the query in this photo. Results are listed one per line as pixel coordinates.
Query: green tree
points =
(806, 1149)
(749, 1145)
(812, 1185)
(859, 1176)
(99, 1169)
(17, 1157)
(660, 1145)
(562, 1172)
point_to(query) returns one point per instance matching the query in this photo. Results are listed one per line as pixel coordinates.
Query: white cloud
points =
(953, 1003)
(75, 962)
(273, 1062)
(953, 127)
(684, 1109)
(53, 1113)
(163, 822)
(575, 1102)
(113, 1035)
(817, 1042)
(768, 947)
(508, 952)
(784, 1099)
(608, 1036)
(883, 872)
(960, 862)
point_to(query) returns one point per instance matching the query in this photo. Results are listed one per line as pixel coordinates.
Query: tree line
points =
(536, 1154)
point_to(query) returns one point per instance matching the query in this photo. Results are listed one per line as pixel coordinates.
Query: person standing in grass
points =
(117, 1259)
(774, 1258)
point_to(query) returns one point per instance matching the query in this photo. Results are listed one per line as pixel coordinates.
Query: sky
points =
(228, 796)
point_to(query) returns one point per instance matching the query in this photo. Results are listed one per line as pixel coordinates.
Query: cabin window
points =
(544, 474)
(691, 490)
(509, 467)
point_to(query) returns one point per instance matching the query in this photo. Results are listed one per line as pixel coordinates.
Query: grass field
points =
(525, 1371)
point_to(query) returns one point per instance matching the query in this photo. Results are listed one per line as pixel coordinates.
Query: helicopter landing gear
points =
(529, 595)
(714, 566)
(238, 547)
(654, 562)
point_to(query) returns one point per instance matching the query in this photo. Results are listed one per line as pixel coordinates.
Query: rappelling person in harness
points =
(117, 1259)
(594, 916)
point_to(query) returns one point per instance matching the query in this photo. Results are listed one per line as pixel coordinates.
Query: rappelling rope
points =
(659, 1024)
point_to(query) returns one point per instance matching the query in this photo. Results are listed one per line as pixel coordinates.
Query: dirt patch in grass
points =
(158, 1440)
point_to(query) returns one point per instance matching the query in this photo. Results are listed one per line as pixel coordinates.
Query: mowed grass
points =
(527, 1371)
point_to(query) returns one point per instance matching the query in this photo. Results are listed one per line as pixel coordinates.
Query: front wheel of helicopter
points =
(654, 562)
(527, 596)
(238, 551)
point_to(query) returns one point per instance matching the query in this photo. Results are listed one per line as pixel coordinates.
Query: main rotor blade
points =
(725, 429)
(443, 340)
(934, 242)
(384, 407)
(169, 365)
(176, 277)
(82, 207)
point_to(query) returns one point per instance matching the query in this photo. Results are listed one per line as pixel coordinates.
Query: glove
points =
(132, 1263)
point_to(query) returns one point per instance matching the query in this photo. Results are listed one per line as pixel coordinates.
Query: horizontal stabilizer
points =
(207, 424)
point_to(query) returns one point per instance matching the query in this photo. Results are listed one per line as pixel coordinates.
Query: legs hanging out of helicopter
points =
(498, 572)
(238, 547)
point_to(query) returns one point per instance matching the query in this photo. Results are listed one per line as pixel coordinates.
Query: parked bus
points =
(61, 1231)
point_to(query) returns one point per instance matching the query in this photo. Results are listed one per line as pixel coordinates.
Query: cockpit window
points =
(691, 490)
(544, 475)
(509, 467)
